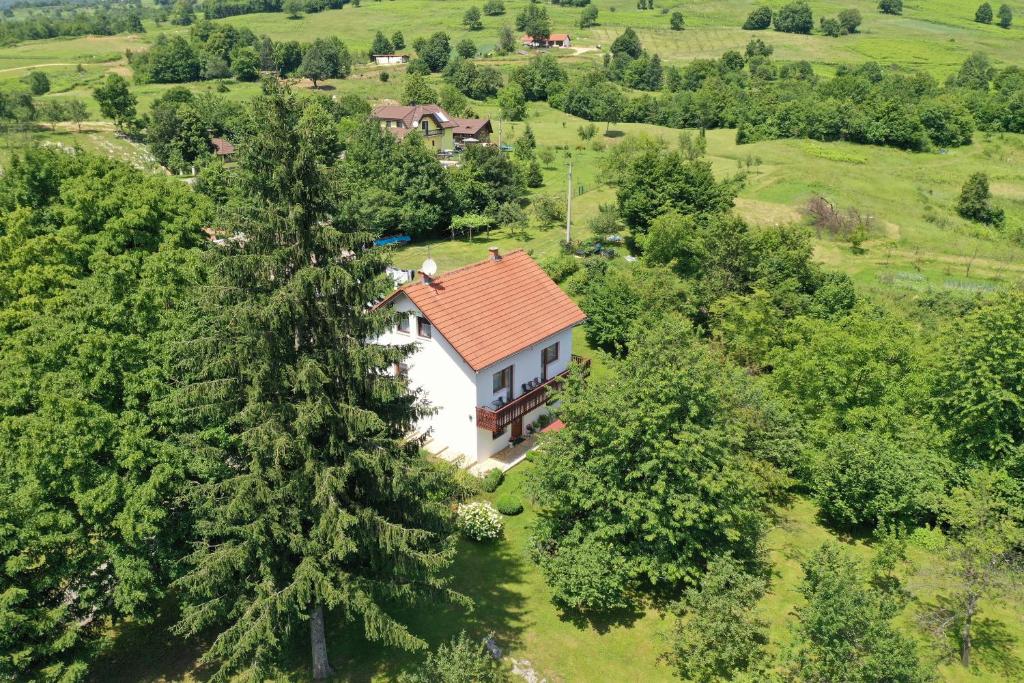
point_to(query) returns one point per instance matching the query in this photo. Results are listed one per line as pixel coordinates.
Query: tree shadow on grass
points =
(481, 571)
(603, 621)
(150, 652)
(992, 642)
(614, 134)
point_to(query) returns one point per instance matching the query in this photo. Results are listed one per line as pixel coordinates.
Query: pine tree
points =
(310, 497)
(381, 45)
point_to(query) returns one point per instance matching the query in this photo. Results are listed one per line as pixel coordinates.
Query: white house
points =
(388, 60)
(492, 338)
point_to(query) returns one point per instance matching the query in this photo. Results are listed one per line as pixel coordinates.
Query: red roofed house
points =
(553, 40)
(492, 338)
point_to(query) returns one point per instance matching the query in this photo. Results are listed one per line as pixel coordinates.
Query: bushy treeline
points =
(105, 20)
(221, 50)
(765, 100)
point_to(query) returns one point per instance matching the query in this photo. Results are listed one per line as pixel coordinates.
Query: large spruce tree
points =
(309, 495)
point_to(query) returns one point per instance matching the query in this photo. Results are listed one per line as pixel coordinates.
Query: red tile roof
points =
(492, 309)
(555, 426)
(554, 37)
(222, 147)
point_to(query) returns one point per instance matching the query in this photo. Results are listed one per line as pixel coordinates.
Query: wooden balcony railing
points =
(497, 419)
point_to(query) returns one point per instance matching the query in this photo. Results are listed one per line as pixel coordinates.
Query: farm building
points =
(388, 60)
(553, 40)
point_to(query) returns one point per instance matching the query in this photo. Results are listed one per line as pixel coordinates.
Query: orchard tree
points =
(115, 101)
(588, 17)
(652, 476)
(471, 19)
(506, 43)
(675, 22)
(381, 45)
(850, 20)
(1005, 16)
(983, 555)
(77, 111)
(418, 91)
(534, 22)
(397, 40)
(845, 632)
(494, 8)
(656, 181)
(293, 8)
(512, 102)
(38, 83)
(795, 17)
(978, 391)
(983, 15)
(890, 6)
(309, 496)
(718, 634)
(975, 201)
(759, 19)
(465, 49)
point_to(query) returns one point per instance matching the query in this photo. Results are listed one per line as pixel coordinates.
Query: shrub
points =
(492, 480)
(795, 17)
(984, 13)
(509, 505)
(479, 521)
(759, 19)
(384, 76)
(560, 267)
(974, 202)
(494, 8)
(676, 22)
(890, 6)
(850, 20)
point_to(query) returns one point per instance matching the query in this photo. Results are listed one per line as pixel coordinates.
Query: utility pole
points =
(568, 207)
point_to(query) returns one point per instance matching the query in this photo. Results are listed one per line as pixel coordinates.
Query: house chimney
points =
(495, 256)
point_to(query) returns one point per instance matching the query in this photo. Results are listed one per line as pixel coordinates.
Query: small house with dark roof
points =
(492, 339)
(471, 131)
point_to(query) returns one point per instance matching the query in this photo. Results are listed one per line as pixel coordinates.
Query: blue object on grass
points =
(396, 239)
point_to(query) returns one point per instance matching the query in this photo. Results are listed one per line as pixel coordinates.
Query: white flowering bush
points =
(479, 521)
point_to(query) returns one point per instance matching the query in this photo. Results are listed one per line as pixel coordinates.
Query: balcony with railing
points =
(496, 419)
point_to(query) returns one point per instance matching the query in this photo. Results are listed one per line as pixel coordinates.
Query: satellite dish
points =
(429, 267)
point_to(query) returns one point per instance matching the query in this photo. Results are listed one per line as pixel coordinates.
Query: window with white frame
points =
(424, 328)
(548, 355)
(502, 382)
(403, 323)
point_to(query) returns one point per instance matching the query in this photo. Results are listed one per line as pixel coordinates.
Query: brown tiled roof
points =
(222, 147)
(490, 310)
(408, 114)
(470, 126)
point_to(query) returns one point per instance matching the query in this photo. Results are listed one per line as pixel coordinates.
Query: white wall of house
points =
(526, 365)
(455, 390)
(447, 382)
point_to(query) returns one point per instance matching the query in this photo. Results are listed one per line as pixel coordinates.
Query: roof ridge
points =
(469, 266)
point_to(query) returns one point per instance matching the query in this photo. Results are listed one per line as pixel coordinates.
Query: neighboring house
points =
(553, 40)
(470, 131)
(223, 149)
(429, 119)
(440, 130)
(387, 60)
(492, 338)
